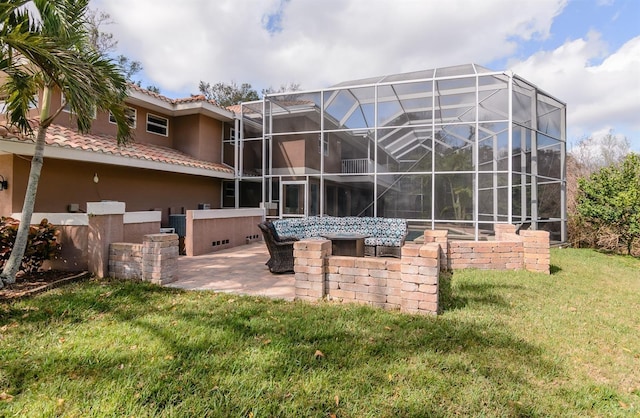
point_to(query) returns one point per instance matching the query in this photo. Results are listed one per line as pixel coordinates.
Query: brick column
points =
(537, 257)
(505, 232)
(309, 268)
(441, 237)
(125, 261)
(106, 225)
(420, 270)
(159, 258)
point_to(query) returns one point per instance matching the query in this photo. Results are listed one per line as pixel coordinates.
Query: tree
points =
(228, 94)
(609, 200)
(104, 42)
(587, 156)
(595, 152)
(284, 88)
(46, 52)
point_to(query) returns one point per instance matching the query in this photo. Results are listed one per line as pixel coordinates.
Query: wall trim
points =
(226, 213)
(142, 217)
(62, 219)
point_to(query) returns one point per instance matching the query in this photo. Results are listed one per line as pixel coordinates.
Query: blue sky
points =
(617, 21)
(584, 52)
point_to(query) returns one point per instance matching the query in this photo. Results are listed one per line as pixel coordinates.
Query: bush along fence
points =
(410, 283)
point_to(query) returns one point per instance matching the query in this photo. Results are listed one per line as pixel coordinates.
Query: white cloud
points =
(321, 42)
(600, 96)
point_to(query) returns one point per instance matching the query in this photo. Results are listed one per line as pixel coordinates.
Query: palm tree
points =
(42, 53)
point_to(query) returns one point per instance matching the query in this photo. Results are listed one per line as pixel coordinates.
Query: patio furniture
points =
(280, 249)
(349, 244)
(384, 236)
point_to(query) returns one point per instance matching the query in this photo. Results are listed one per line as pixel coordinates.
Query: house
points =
(459, 148)
(174, 162)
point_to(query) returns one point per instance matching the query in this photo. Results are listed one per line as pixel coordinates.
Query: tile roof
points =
(193, 99)
(59, 136)
(150, 93)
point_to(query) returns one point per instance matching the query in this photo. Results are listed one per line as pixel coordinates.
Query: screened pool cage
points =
(458, 148)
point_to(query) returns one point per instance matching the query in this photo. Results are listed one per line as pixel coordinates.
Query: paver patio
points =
(236, 270)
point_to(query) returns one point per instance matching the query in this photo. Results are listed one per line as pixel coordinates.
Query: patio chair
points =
(280, 249)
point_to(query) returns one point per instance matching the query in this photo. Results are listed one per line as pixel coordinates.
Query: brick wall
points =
(309, 267)
(125, 260)
(420, 268)
(486, 255)
(510, 250)
(155, 260)
(372, 280)
(409, 284)
(536, 251)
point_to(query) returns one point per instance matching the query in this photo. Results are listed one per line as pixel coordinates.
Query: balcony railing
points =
(357, 166)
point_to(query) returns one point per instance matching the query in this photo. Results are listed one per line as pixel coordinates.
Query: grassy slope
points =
(507, 344)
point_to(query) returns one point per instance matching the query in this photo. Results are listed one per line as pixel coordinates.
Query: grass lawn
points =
(507, 344)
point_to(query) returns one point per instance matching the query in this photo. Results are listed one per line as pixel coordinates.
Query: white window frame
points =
(166, 127)
(133, 119)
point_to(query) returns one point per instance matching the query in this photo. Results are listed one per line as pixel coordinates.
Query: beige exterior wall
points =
(202, 234)
(136, 232)
(74, 242)
(288, 152)
(7, 196)
(64, 182)
(102, 126)
(199, 136)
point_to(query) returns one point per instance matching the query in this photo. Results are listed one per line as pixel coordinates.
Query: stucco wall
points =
(63, 182)
(288, 152)
(216, 233)
(6, 196)
(199, 136)
(135, 232)
(102, 126)
(74, 240)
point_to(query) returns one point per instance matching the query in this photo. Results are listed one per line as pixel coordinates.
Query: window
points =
(323, 146)
(33, 104)
(229, 189)
(157, 125)
(131, 115)
(228, 194)
(67, 108)
(64, 104)
(232, 134)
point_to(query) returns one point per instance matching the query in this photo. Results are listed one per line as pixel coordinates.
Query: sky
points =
(586, 53)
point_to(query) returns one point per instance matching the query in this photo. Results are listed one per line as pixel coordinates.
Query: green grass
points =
(507, 344)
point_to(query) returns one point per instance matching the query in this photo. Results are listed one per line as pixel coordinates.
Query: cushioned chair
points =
(280, 249)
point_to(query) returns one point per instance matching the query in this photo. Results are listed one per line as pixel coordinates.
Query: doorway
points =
(294, 200)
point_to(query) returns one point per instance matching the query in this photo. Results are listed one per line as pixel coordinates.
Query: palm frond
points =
(19, 89)
(56, 45)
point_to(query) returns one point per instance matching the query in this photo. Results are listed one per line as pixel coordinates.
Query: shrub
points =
(608, 206)
(43, 243)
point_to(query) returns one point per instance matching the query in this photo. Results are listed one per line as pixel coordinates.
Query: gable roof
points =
(65, 143)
